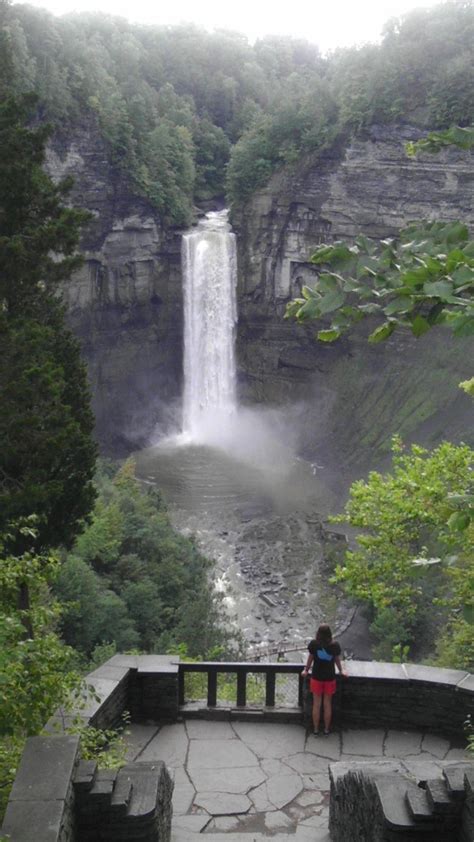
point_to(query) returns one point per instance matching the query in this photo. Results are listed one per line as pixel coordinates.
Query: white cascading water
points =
(210, 314)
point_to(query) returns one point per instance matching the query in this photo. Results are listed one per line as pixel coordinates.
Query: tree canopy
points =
(47, 458)
(188, 115)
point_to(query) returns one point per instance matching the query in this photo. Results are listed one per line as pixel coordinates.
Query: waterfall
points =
(210, 314)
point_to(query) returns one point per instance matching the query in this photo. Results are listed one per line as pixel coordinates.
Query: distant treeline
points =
(191, 116)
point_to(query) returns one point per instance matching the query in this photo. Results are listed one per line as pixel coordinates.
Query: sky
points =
(328, 23)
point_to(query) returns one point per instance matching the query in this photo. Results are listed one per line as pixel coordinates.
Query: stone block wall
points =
(41, 805)
(402, 696)
(375, 801)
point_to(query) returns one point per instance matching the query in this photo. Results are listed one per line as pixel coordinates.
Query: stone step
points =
(84, 776)
(454, 777)
(103, 786)
(419, 806)
(121, 795)
(440, 799)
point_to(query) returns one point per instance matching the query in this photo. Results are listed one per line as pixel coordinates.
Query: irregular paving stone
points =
(225, 824)
(277, 821)
(273, 766)
(270, 740)
(192, 824)
(400, 743)
(259, 797)
(318, 781)
(329, 747)
(183, 793)
(307, 762)
(282, 789)
(223, 804)
(219, 754)
(170, 745)
(226, 780)
(138, 736)
(364, 743)
(456, 755)
(437, 746)
(309, 797)
(317, 820)
(200, 729)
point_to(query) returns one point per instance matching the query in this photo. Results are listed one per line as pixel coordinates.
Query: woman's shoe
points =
(326, 732)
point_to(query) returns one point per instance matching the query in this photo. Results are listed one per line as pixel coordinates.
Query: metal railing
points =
(242, 670)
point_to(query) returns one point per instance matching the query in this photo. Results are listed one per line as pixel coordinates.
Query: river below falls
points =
(261, 523)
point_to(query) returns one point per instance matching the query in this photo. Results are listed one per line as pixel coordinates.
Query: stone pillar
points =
(155, 691)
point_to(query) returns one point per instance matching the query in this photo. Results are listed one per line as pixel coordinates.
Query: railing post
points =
(212, 688)
(241, 689)
(270, 690)
(300, 690)
(181, 696)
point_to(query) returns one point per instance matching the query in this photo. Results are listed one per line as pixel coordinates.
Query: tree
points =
(36, 674)
(48, 456)
(410, 523)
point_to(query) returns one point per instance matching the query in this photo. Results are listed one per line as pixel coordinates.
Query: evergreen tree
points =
(47, 457)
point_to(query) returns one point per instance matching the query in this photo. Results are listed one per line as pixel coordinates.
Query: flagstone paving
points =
(247, 782)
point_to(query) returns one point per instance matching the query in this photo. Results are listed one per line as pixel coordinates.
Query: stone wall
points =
(125, 303)
(403, 696)
(375, 801)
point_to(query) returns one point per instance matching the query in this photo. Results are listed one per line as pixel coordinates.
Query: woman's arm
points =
(308, 665)
(339, 665)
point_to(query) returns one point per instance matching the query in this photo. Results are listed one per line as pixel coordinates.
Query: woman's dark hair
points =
(323, 635)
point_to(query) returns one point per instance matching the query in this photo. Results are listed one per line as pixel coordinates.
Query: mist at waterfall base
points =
(263, 439)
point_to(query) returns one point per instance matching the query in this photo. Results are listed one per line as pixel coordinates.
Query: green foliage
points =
(173, 103)
(36, 668)
(424, 277)
(435, 141)
(132, 581)
(410, 552)
(47, 457)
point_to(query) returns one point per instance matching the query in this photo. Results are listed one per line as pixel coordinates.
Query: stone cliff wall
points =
(125, 303)
(351, 397)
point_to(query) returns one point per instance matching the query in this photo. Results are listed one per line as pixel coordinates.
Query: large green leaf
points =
(331, 301)
(419, 326)
(382, 332)
(328, 335)
(438, 289)
(401, 304)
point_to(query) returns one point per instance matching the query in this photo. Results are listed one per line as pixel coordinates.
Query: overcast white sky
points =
(328, 23)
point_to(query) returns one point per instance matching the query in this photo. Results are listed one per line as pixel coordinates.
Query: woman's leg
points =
(327, 711)
(316, 710)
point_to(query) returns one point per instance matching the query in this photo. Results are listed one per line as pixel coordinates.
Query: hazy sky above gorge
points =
(328, 23)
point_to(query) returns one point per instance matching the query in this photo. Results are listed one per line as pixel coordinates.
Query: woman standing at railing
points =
(324, 657)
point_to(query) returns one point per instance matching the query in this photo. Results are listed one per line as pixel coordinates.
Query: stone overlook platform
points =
(246, 782)
(226, 751)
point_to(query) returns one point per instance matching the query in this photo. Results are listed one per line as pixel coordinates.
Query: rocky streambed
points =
(264, 529)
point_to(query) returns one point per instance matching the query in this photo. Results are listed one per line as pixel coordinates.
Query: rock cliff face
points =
(351, 396)
(125, 304)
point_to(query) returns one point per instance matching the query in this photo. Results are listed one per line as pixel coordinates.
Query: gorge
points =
(341, 403)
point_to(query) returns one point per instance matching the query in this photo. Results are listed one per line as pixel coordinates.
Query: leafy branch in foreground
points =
(422, 278)
(462, 137)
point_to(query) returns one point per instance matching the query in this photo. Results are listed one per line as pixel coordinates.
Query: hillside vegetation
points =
(190, 115)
